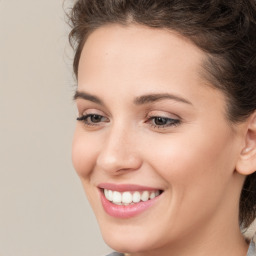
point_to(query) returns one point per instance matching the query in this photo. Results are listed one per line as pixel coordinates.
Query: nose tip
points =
(118, 157)
(113, 164)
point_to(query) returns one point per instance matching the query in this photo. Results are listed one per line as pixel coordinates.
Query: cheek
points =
(198, 157)
(196, 171)
(84, 158)
(83, 154)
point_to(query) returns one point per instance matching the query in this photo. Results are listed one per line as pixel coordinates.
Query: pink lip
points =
(125, 211)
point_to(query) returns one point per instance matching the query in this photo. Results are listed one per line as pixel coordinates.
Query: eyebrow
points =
(144, 99)
(87, 96)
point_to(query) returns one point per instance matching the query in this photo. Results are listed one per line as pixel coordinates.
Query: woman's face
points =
(153, 135)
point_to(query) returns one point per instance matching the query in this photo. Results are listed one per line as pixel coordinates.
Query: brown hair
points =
(224, 29)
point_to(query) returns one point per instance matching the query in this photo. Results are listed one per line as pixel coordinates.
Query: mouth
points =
(125, 201)
(130, 197)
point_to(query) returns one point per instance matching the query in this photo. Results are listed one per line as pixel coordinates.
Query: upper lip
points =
(125, 187)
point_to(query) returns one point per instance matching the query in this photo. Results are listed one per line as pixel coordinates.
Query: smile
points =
(126, 201)
(129, 198)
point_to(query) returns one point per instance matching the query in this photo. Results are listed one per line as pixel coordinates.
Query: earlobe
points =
(246, 164)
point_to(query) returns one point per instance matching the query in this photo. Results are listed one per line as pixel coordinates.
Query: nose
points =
(119, 152)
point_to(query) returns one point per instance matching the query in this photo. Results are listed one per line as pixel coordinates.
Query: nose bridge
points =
(119, 150)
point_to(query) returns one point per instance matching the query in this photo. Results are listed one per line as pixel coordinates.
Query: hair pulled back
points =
(224, 29)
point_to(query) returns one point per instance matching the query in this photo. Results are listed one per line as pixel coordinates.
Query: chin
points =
(130, 239)
(127, 244)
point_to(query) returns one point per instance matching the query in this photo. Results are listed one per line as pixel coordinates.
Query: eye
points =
(92, 119)
(162, 122)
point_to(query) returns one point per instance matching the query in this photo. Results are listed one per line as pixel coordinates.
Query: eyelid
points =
(89, 111)
(162, 114)
(85, 106)
(85, 115)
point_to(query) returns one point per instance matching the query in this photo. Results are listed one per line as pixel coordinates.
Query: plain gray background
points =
(43, 209)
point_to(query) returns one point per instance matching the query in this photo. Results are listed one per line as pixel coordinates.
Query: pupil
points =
(160, 121)
(95, 118)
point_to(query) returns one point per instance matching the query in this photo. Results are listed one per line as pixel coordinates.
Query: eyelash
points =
(85, 118)
(169, 121)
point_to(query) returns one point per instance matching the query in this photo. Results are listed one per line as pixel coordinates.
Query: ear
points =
(246, 163)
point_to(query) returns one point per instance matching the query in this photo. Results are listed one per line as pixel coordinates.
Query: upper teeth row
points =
(129, 197)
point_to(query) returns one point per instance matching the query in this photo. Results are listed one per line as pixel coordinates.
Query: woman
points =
(165, 143)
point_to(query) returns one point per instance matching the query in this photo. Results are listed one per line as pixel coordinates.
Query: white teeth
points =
(152, 195)
(126, 198)
(136, 197)
(106, 193)
(117, 197)
(145, 196)
(110, 195)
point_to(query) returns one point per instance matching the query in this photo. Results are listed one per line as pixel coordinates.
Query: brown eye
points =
(92, 119)
(163, 122)
(95, 118)
(160, 121)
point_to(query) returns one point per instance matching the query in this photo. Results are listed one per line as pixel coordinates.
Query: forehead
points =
(139, 47)
(135, 60)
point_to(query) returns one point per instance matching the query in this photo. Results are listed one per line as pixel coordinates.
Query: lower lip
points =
(126, 211)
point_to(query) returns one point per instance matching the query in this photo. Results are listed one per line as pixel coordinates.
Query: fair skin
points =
(190, 153)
